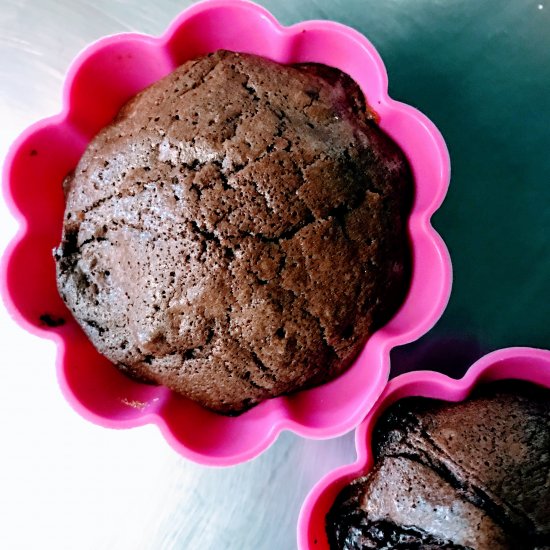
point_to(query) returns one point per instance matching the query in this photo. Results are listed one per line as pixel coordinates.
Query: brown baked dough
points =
(238, 231)
(470, 475)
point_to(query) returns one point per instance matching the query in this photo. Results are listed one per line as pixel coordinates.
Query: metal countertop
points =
(481, 72)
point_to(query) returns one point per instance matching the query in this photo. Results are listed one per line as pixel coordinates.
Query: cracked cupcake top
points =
(238, 231)
(453, 475)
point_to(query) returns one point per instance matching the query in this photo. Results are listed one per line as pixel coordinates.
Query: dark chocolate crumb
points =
(51, 321)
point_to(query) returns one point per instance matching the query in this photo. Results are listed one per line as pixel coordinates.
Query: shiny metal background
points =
(481, 71)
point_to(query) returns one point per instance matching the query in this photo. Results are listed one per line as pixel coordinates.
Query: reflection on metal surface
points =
(482, 74)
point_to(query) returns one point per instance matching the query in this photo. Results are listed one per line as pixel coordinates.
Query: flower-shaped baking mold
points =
(101, 79)
(531, 365)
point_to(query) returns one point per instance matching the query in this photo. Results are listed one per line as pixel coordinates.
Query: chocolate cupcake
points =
(238, 231)
(467, 475)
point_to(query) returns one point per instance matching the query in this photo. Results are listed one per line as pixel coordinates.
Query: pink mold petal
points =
(528, 364)
(101, 79)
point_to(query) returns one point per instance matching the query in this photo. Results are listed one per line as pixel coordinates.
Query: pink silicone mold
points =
(531, 365)
(99, 81)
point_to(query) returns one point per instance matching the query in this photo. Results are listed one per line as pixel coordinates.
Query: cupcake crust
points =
(473, 474)
(238, 231)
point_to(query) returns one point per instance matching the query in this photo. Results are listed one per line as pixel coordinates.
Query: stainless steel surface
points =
(481, 71)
